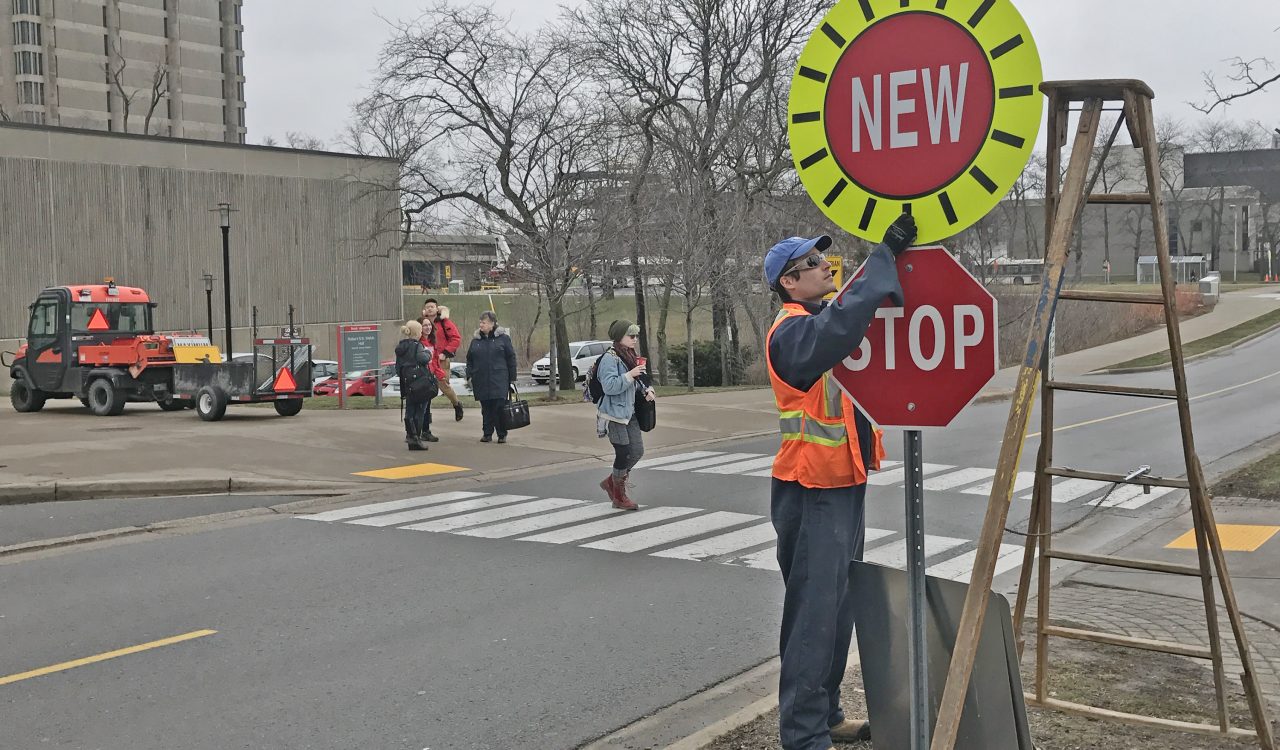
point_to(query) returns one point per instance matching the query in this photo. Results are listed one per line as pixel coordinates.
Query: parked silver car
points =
(583, 353)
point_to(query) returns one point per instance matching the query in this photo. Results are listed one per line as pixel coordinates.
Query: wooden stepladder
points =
(1065, 198)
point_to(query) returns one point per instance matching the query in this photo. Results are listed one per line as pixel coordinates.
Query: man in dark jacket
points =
(819, 475)
(491, 370)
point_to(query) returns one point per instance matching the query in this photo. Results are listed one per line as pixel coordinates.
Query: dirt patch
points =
(1120, 679)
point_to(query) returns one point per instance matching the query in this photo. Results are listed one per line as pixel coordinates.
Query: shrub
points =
(706, 363)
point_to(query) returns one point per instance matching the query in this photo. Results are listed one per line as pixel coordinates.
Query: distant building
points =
(176, 67)
(308, 230)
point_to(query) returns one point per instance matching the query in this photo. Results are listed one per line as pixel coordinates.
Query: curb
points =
(40, 492)
(1185, 359)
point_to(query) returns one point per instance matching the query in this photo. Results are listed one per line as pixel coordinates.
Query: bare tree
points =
(695, 70)
(512, 114)
(1247, 77)
(4, 116)
(304, 141)
(117, 73)
(1217, 136)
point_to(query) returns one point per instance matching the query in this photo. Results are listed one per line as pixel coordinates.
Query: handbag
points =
(418, 383)
(646, 412)
(515, 413)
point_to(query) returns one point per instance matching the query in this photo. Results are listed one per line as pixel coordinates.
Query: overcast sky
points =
(306, 62)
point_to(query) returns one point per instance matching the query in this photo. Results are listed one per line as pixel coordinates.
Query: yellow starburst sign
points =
(927, 106)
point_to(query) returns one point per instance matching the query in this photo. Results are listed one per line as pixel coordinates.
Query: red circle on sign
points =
(906, 149)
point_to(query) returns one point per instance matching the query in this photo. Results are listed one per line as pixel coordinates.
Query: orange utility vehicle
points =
(98, 343)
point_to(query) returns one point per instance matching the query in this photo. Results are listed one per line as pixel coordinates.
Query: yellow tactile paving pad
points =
(1235, 537)
(411, 472)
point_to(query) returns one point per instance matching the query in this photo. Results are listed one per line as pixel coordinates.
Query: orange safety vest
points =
(819, 435)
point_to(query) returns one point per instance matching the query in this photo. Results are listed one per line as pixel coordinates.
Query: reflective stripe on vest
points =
(819, 441)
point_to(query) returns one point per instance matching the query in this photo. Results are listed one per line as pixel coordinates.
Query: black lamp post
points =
(224, 221)
(208, 302)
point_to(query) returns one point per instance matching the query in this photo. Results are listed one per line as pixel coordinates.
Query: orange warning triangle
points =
(284, 381)
(98, 321)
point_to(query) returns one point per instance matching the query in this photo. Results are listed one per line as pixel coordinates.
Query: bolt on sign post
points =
(931, 108)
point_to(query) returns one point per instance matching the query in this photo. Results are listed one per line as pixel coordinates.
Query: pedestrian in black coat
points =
(491, 371)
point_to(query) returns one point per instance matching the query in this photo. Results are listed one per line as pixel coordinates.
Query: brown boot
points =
(622, 502)
(610, 490)
(851, 730)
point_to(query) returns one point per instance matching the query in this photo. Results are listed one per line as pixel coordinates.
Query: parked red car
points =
(358, 383)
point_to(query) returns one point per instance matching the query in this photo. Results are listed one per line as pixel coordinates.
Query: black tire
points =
(543, 381)
(105, 400)
(289, 407)
(25, 398)
(169, 403)
(211, 403)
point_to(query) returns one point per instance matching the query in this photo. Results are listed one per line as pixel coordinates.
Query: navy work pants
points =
(819, 532)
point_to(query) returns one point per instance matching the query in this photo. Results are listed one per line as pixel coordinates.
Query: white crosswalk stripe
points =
(699, 534)
(709, 461)
(498, 514)
(960, 567)
(954, 479)
(1024, 481)
(342, 514)
(725, 544)
(938, 477)
(436, 511)
(894, 554)
(537, 523)
(658, 536)
(898, 475)
(650, 463)
(741, 467)
(610, 525)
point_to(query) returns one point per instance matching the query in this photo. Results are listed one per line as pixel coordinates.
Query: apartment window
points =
(239, 66)
(240, 90)
(30, 92)
(239, 44)
(26, 7)
(34, 118)
(29, 63)
(26, 32)
(241, 116)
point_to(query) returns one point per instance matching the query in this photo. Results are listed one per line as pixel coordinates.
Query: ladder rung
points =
(1121, 199)
(1080, 709)
(1180, 484)
(1140, 298)
(1147, 644)
(1114, 390)
(1120, 562)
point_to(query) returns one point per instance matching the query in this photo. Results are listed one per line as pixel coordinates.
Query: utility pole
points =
(224, 221)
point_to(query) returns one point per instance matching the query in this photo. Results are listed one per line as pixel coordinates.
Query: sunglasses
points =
(808, 261)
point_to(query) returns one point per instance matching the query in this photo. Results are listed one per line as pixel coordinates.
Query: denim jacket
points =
(619, 402)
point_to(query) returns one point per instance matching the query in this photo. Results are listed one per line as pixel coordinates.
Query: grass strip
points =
(1260, 479)
(1246, 329)
(535, 398)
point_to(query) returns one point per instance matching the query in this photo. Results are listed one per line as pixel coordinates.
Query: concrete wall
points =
(77, 206)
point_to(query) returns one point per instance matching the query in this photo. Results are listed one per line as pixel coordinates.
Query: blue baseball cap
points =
(780, 255)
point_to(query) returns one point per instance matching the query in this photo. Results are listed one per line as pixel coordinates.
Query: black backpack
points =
(593, 391)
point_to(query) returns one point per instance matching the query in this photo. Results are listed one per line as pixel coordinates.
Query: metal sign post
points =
(917, 648)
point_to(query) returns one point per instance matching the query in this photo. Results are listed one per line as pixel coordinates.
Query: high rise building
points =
(160, 67)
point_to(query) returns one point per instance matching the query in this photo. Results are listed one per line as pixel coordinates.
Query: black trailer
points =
(279, 372)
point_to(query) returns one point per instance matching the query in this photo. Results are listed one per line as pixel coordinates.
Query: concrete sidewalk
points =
(64, 452)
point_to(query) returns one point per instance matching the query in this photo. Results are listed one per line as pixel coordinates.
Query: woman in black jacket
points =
(410, 353)
(491, 370)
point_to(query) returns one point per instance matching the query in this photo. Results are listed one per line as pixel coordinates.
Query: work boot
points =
(457, 412)
(610, 490)
(851, 730)
(430, 438)
(622, 502)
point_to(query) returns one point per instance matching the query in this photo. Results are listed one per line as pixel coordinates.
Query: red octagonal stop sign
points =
(921, 364)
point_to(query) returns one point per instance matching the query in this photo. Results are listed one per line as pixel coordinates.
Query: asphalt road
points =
(512, 630)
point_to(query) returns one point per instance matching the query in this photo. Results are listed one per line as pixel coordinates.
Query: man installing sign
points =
(820, 473)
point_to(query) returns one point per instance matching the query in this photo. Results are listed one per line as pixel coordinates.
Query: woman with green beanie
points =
(623, 378)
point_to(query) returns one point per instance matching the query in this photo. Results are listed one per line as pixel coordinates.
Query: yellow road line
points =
(1219, 392)
(412, 471)
(104, 657)
(1235, 537)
